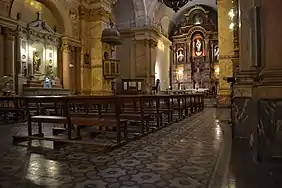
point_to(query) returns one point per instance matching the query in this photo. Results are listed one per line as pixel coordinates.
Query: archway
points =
(43, 49)
(57, 9)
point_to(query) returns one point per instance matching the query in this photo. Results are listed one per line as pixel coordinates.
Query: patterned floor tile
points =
(180, 155)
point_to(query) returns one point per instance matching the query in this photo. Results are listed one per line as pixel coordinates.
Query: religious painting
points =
(198, 19)
(180, 55)
(216, 53)
(198, 46)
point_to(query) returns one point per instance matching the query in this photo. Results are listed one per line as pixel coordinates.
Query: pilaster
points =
(95, 17)
(270, 85)
(225, 39)
(1, 53)
(8, 52)
(145, 61)
(65, 48)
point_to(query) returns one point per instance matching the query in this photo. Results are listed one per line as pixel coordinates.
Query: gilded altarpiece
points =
(195, 50)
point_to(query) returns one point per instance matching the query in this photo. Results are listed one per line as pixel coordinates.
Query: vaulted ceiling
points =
(139, 10)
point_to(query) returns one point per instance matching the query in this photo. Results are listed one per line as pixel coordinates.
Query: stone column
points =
(95, 29)
(8, 52)
(225, 40)
(271, 83)
(17, 67)
(65, 48)
(246, 73)
(1, 53)
(153, 54)
(147, 64)
(78, 70)
(243, 109)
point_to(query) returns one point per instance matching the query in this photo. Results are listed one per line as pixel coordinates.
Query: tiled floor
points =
(182, 155)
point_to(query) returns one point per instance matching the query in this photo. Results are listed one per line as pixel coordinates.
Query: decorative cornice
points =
(223, 57)
(96, 14)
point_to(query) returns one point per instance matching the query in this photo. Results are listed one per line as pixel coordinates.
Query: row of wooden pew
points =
(99, 120)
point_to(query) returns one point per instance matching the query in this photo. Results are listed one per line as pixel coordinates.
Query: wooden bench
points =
(11, 105)
(70, 120)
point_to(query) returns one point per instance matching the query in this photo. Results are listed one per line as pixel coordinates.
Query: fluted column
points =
(65, 63)
(225, 40)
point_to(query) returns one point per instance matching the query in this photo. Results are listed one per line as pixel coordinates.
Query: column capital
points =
(7, 32)
(65, 47)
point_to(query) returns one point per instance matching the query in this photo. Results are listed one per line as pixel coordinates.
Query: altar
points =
(39, 68)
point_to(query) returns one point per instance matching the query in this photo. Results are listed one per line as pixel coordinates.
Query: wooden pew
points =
(71, 120)
(11, 105)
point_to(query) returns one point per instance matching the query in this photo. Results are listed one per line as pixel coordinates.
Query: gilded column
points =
(65, 48)
(78, 70)
(96, 55)
(225, 39)
(99, 19)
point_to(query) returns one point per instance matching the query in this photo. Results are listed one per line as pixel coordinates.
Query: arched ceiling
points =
(136, 10)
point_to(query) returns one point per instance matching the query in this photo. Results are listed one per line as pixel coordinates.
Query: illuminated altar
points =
(195, 50)
(39, 71)
(39, 50)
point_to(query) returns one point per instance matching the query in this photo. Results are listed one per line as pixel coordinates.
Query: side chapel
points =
(195, 50)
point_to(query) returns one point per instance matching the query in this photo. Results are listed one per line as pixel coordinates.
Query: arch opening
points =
(53, 12)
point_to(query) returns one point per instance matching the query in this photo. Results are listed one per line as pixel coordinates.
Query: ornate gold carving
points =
(196, 29)
(65, 47)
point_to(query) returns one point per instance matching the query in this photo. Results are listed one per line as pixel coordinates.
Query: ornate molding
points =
(223, 57)
(96, 14)
(198, 29)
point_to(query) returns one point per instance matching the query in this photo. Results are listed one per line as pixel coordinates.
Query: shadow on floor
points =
(243, 173)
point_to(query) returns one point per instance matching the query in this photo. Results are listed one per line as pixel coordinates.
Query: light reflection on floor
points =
(181, 155)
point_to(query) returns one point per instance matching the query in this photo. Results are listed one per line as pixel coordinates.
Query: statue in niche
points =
(50, 72)
(36, 62)
(86, 58)
(180, 55)
(216, 53)
(198, 47)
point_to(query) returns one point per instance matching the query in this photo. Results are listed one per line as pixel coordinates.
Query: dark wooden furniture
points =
(123, 115)
(133, 86)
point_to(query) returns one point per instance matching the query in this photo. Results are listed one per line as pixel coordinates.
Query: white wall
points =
(163, 62)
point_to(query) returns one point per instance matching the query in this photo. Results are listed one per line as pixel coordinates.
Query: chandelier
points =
(175, 4)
